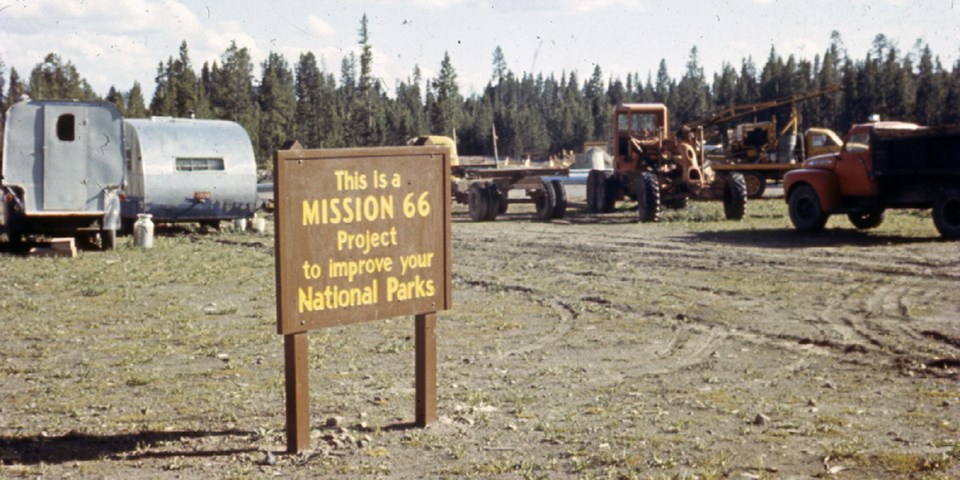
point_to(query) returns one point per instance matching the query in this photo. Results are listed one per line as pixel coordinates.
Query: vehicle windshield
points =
(637, 122)
(858, 142)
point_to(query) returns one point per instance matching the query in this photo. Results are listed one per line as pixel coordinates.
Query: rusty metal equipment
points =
(658, 169)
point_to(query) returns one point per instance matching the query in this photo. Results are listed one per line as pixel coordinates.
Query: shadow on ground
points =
(74, 446)
(790, 238)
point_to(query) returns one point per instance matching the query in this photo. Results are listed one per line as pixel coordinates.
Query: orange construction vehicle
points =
(658, 169)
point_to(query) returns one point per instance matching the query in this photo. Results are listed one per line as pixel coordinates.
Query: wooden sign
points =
(361, 234)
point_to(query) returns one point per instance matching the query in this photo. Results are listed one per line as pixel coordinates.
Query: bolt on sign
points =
(361, 234)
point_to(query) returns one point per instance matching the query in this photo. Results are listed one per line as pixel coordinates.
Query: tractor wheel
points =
(805, 211)
(609, 189)
(546, 201)
(648, 197)
(866, 220)
(477, 202)
(756, 184)
(946, 213)
(735, 196)
(594, 179)
(560, 193)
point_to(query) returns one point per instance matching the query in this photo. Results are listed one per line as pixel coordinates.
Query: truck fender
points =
(823, 181)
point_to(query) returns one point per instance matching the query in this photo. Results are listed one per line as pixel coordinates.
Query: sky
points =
(114, 43)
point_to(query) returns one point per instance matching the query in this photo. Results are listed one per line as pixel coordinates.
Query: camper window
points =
(199, 164)
(65, 129)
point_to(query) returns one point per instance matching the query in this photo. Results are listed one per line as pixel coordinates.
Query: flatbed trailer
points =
(486, 190)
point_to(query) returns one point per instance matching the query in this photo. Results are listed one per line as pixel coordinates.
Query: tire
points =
(476, 202)
(108, 239)
(756, 184)
(546, 202)
(609, 190)
(594, 179)
(735, 196)
(866, 220)
(946, 213)
(648, 197)
(805, 211)
(560, 194)
(492, 197)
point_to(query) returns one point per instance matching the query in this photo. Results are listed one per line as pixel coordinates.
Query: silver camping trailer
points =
(62, 170)
(186, 170)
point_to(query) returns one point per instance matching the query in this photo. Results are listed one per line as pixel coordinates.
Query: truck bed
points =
(925, 152)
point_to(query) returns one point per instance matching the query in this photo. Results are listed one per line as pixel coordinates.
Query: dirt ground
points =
(593, 347)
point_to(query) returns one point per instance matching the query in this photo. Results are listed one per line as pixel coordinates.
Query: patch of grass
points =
(844, 449)
(910, 464)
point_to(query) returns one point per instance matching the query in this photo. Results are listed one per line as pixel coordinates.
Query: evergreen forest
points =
(532, 114)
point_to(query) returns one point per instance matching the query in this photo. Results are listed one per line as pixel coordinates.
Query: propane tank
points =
(143, 231)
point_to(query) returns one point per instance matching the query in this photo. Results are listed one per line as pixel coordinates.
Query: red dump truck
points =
(882, 165)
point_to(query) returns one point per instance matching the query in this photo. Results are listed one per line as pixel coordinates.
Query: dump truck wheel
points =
(546, 202)
(756, 184)
(492, 197)
(805, 211)
(476, 202)
(648, 197)
(560, 193)
(866, 220)
(946, 213)
(609, 189)
(108, 239)
(735, 196)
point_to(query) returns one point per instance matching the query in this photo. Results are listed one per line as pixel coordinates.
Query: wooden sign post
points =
(361, 234)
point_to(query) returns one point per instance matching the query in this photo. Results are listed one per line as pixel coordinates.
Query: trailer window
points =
(199, 164)
(66, 131)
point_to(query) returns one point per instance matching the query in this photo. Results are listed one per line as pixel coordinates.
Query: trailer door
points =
(64, 158)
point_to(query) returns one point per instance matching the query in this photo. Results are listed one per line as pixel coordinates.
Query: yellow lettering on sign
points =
(409, 290)
(367, 240)
(334, 297)
(346, 210)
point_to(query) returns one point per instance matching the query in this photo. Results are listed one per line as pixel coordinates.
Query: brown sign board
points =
(361, 234)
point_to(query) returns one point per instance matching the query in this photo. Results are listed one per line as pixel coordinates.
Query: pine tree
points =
(16, 90)
(116, 98)
(232, 97)
(446, 105)
(368, 119)
(692, 92)
(725, 87)
(135, 108)
(55, 79)
(600, 111)
(951, 113)
(929, 91)
(308, 91)
(277, 101)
